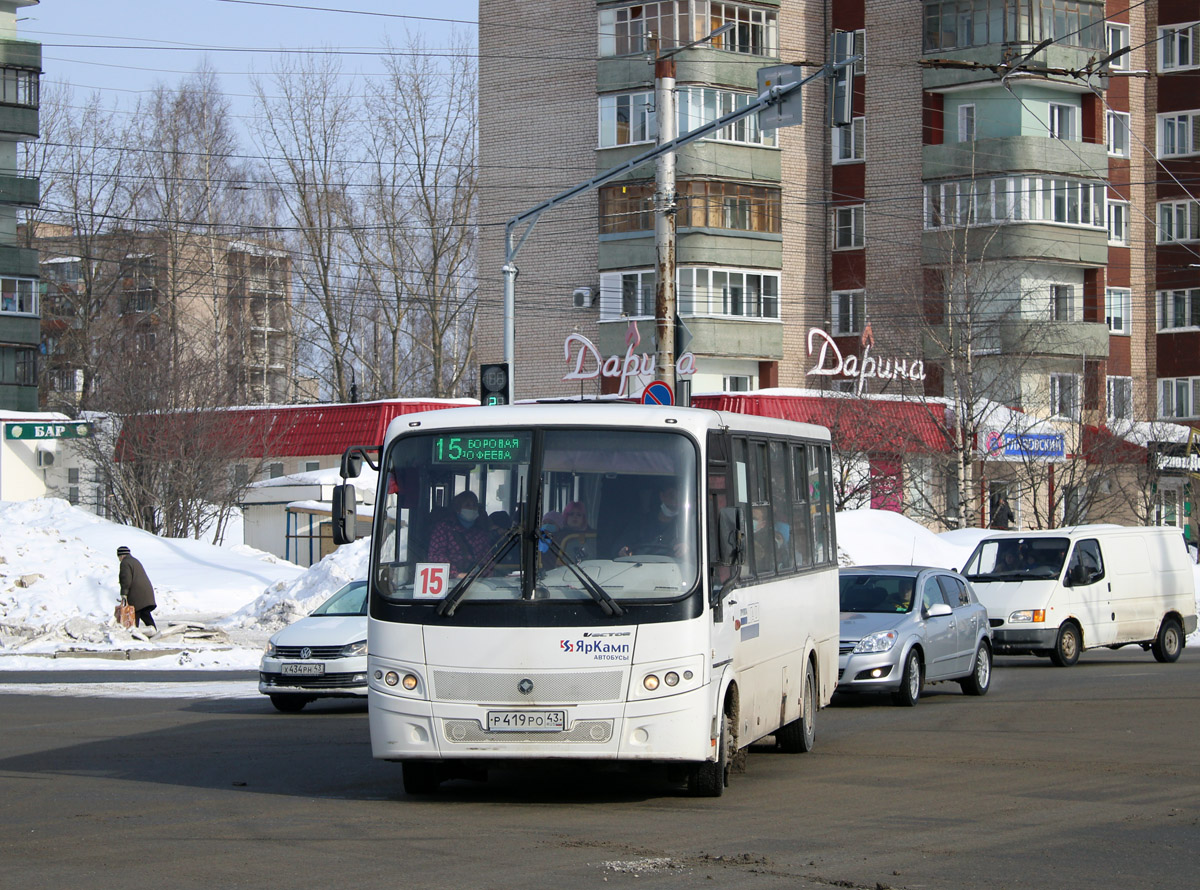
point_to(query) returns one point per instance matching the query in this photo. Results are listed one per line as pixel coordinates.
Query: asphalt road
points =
(1083, 777)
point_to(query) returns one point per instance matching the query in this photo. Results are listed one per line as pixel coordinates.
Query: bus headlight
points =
(650, 681)
(665, 678)
(1026, 616)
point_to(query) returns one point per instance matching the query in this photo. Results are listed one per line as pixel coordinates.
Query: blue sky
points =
(124, 47)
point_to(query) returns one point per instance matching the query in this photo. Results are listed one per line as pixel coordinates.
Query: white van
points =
(1059, 592)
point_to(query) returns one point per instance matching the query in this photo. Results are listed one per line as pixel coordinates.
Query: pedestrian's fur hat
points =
(122, 551)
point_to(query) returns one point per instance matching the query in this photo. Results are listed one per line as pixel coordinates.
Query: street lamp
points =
(665, 302)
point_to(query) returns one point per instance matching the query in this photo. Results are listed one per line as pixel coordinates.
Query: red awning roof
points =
(873, 426)
(291, 430)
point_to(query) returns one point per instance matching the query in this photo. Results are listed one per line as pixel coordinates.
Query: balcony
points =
(1030, 337)
(1013, 154)
(1039, 242)
(712, 336)
(20, 191)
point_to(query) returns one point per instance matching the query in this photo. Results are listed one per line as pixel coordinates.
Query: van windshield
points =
(1017, 559)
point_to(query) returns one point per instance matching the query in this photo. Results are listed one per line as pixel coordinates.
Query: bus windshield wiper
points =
(598, 593)
(450, 603)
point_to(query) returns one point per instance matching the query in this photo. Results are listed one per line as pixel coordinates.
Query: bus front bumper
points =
(671, 728)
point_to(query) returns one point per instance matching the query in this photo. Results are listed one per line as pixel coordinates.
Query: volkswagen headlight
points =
(359, 648)
(880, 641)
(270, 651)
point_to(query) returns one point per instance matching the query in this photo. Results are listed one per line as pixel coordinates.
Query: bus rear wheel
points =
(709, 778)
(799, 736)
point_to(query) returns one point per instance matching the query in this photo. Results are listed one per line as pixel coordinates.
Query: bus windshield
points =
(1017, 559)
(554, 515)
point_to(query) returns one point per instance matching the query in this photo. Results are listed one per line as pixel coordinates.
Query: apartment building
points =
(20, 70)
(1011, 211)
(223, 303)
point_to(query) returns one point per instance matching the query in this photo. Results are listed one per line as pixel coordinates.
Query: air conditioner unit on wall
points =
(45, 458)
(583, 297)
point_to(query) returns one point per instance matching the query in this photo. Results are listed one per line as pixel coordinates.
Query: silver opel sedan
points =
(905, 626)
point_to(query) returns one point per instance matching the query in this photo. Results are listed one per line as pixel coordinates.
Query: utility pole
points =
(664, 221)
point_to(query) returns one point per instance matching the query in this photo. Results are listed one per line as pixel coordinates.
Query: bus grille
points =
(565, 688)
(470, 732)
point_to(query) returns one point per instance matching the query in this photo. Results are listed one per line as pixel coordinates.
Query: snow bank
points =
(881, 537)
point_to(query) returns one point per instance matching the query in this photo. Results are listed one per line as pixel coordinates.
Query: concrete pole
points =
(664, 222)
(510, 315)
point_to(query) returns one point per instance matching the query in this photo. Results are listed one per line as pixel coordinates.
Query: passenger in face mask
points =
(662, 531)
(463, 539)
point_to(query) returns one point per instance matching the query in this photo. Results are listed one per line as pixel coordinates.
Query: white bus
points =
(597, 581)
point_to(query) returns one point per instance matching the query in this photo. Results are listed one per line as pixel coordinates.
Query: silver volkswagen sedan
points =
(905, 626)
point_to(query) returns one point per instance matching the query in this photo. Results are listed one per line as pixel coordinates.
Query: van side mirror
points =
(345, 515)
(731, 537)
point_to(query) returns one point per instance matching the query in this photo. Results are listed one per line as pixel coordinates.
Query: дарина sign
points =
(831, 363)
(633, 366)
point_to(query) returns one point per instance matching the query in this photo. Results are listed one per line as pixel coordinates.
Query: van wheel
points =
(421, 777)
(910, 682)
(708, 779)
(289, 704)
(1169, 642)
(1066, 648)
(980, 679)
(799, 736)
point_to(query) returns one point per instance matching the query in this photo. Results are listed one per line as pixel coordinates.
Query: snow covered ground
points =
(217, 605)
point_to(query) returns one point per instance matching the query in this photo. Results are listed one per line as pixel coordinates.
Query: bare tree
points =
(305, 126)
(420, 245)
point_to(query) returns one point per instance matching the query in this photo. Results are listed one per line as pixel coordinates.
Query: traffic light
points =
(493, 384)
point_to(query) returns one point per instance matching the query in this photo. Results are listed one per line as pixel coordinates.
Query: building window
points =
(624, 29)
(275, 470)
(1116, 125)
(1178, 397)
(729, 205)
(311, 466)
(845, 385)
(1011, 199)
(1178, 309)
(851, 43)
(848, 227)
(241, 475)
(1178, 134)
(850, 141)
(728, 292)
(1062, 302)
(1179, 47)
(1062, 122)
(1064, 396)
(19, 86)
(847, 312)
(950, 24)
(1118, 302)
(19, 296)
(736, 383)
(1117, 38)
(701, 204)
(966, 123)
(1118, 223)
(137, 285)
(697, 106)
(1178, 221)
(1120, 398)
(626, 119)
(23, 370)
(742, 293)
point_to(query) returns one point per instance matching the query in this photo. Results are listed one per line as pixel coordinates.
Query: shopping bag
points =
(125, 615)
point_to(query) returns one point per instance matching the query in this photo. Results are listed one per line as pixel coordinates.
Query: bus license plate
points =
(303, 670)
(526, 721)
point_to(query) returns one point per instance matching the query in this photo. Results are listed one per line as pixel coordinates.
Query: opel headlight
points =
(359, 648)
(1025, 616)
(880, 641)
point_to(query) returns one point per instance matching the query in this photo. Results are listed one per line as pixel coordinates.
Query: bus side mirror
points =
(731, 537)
(345, 516)
(351, 463)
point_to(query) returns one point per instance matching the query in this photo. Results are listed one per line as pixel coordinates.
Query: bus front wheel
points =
(709, 778)
(799, 736)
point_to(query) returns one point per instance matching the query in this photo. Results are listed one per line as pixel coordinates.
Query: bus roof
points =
(697, 421)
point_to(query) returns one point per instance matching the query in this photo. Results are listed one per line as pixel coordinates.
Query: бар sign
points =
(24, 430)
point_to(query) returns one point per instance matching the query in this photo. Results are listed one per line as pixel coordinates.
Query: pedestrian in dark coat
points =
(1002, 514)
(136, 589)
